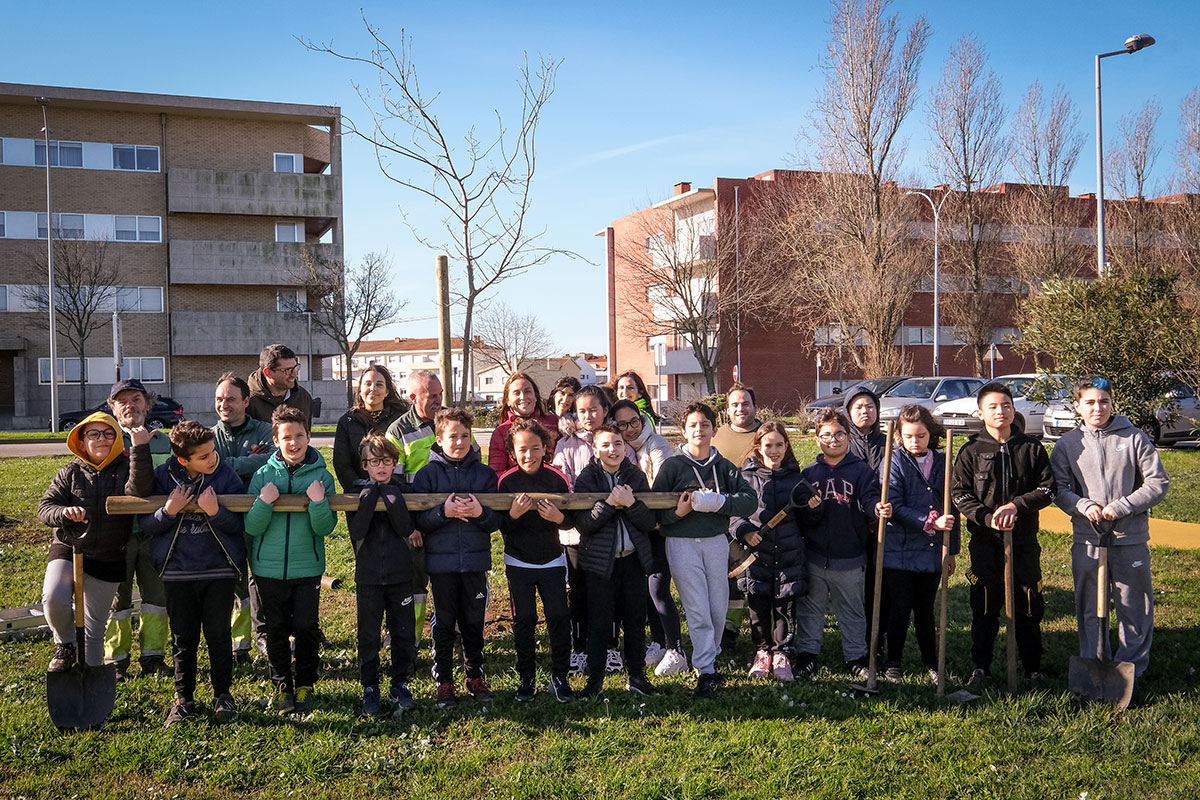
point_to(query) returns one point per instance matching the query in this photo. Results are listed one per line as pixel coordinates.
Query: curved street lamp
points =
(937, 210)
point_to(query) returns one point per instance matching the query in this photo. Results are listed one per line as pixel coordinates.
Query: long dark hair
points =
(507, 413)
(392, 401)
(642, 392)
(920, 415)
(789, 457)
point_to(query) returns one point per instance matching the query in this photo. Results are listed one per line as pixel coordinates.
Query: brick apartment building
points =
(207, 206)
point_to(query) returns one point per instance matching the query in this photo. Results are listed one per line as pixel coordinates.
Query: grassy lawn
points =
(758, 739)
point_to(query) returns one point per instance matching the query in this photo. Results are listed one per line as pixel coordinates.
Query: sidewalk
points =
(1163, 532)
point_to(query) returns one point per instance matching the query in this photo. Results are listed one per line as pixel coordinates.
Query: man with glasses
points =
(275, 383)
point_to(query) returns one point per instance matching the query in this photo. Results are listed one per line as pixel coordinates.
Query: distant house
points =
(545, 373)
(402, 356)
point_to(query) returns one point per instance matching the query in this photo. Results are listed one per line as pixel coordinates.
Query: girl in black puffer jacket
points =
(779, 572)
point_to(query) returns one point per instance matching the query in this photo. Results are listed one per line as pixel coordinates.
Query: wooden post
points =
(945, 611)
(443, 289)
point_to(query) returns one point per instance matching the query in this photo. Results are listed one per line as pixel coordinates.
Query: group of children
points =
(607, 567)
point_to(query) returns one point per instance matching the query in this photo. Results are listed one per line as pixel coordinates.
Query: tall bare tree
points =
(1130, 163)
(85, 295)
(349, 302)
(481, 183)
(512, 340)
(1184, 214)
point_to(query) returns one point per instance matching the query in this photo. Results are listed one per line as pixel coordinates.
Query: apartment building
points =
(205, 206)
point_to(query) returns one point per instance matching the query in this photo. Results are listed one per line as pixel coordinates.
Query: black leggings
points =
(662, 613)
(910, 594)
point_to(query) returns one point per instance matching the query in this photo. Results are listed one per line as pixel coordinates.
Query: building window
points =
(62, 154)
(289, 300)
(147, 370)
(1, 224)
(66, 226)
(138, 229)
(135, 157)
(289, 162)
(3, 297)
(140, 299)
(289, 232)
(68, 370)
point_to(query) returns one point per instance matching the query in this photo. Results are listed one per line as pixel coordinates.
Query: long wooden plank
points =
(349, 502)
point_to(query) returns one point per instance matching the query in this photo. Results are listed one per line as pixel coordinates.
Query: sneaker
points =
(401, 698)
(285, 703)
(613, 661)
(445, 696)
(371, 707)
(241, 657)
(761, 668)
(893, 674)
(260, 641)
(729, 639)
(933, 675)
(592, 689)
(979, 682)
(673, 662)
(122, 667)
(304, 697)
(858, 669)
(706, 686)
(525, 691)
(806, 663)
(1036, 682)
(781, 668)
(639, 685)
(654, 654)
(181, 710)
(478, 687)
(225, 707)
(578, 664)
(155, 665)
(63, 658)
(561, 690)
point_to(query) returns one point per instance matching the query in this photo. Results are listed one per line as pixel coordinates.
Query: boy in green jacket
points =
(287, 556)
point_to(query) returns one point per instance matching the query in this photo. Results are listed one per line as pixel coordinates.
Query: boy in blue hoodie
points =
(200, 556)
(837, 546)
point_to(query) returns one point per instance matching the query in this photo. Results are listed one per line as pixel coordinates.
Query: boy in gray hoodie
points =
(1109, 476)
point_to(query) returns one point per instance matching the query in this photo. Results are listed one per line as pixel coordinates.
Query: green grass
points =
(758, 739)
(22, 435)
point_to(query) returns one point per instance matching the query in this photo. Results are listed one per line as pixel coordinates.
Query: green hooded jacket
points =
(290, 544)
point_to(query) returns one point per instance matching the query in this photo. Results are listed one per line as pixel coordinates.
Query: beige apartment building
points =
(206, 207)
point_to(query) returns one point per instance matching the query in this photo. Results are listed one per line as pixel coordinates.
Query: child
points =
(383, 574)
(614, 552)
(779, 573)
(74, 507)
(697, 535)
(837, 546)
(1109, 477)
(200, 556)
(868, 442)
(287, 556)
(1002, 478)
(630, 386)
(912, 556)
(534, 560)
(458, 550)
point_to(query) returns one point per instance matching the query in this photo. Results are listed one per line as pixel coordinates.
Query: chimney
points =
(682, 187)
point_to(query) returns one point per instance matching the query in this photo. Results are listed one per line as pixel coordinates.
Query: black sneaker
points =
(893, 674)
(1037, 683)
(122, 668)
(639, 685)
(63, 658)
(182, 709)
(979, 682)
(225, 707)
(155, 665)
(706, 686)
(592, 689)
(371, 706)
(804, 663)
(859, 669)
(304, 698)
(561, 690)
(525, 691)
(241, 657)
(401, 697)
(729, 639)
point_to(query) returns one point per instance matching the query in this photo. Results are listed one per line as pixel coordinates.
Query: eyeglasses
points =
(95, 436)
(292, 370)
(381, 462)
(836, 436)
(622, 426)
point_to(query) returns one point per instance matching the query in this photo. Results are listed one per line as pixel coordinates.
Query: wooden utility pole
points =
(443, 289)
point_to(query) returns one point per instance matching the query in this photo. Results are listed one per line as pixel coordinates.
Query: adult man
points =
(130, 402)
(245, 444)
(735, 441)
(275, 384)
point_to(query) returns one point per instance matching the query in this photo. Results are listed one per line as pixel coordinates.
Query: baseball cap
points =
(127, 383)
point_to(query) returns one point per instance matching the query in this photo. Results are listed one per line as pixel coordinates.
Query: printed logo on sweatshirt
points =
(830, 489)
(406, 601)
(479, 596)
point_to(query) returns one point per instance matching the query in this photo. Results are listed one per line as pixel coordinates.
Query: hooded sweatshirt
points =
(1116, 465)
(868, 445)
(290, 544)
(607, 532)
(101, 538)
(650, 449)
(235, 445)
(263, 403)
(849, 491)
(989, 474)
(195, 546)
(683, 473)
(380, 538)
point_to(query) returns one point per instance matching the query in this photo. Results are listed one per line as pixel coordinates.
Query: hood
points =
(472, 456)
(568, 424)
(179, 474)
(76, 446)
(640, 442)
(752, 467)
(1118, 424)
(850, 398)
(310, 458)
(257, 383)
(713, 455)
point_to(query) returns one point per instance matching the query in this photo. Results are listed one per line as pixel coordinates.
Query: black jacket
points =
(598, 529)
(195, 546)
(380, 538)
(989, 474)
(781, 566)
(352, 428)
(868, 446)
(455, 545)
(532, 539)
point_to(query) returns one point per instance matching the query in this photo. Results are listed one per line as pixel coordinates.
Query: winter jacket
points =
(234, 446)
(868, 446)
(735, 446)
(102, 537)
(780, 567)
(195, 546)
(682, 473)
(643, 404)
(455, 545)
(573, 453)
(498, 455)
(380, 538)
(414, 437)
(650, 449)
(530, 538)
(352, 428)
(1116, 465)
(909, 543)
(263, 403)
(849, 491)
(290, 544)
(601, 527)
(989, 474)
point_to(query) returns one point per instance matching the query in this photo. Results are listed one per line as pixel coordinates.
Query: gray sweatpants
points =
(1131, 593)
(700, 568)
(58, 604)
(845, 588)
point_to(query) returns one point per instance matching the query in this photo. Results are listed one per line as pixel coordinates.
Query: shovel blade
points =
(1095, 681)
(82, 698)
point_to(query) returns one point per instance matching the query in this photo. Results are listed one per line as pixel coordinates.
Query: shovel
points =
(1100, 679)
(802, 492)
(83, 697)
(873, 645)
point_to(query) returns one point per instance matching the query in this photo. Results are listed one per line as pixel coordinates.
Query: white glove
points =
(707, 501)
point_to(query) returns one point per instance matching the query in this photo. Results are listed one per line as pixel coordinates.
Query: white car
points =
(962, 416)
(1061, 418)
(926, 392)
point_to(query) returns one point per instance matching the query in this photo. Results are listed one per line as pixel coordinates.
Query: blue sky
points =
(648, 94)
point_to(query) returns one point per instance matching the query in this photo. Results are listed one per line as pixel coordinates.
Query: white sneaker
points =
(654, 654)
(673, 662)
(578, 664)
(614, 662)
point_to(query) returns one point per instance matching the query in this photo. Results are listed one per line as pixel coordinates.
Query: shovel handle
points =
(880, 530)
(1101, 601)
(77, 564)
(943, 617)
(1010, 612)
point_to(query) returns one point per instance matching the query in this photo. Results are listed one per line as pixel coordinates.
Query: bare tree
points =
(966, 115)
(482, 184)
(511, 340)
(85, 295)
(1131, 161)
(349, 302)
(1184, 215)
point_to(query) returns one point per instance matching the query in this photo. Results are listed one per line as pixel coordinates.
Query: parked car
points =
(1061, 418)
(875, 385)
(962, 416)
(165, 413)
(927, 392)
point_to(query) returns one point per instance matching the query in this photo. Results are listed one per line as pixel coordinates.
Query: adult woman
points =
(630, 386)
(377, 405)
(522, 400)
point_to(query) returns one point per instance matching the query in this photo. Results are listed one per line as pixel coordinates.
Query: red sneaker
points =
(445, 696)
(479, 689)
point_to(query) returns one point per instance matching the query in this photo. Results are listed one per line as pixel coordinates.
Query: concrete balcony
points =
(278, 194)
(680, 362)
(242, 333)
(242, 263)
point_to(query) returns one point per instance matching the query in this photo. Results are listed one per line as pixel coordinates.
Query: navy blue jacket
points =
(849, 491)
(907, 545)
(454, 545)
(598, 525)
(196, 547)
(380, 538)
(781, 566)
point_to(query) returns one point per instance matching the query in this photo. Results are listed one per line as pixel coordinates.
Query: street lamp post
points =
(43, 102)
(937, 211)
(1132, 45)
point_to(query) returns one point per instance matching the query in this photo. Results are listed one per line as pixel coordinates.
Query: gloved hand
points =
(707, 501)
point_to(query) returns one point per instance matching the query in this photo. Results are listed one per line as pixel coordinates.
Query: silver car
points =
(962, 416)
(1061, 418)
(927, 392)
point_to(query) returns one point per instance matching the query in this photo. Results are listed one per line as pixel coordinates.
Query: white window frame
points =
(58, 217)
(290, 300)
(63, 375)
(146, 303)
(136, 148)
(141, 365)
(3, 226)
(3, 297)
(297, 232)
(297, 163)
(141, 228)
(56, 145)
